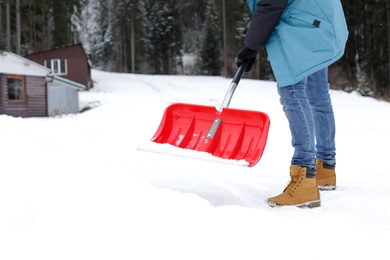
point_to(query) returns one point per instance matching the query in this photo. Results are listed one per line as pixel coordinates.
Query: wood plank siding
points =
(78, 69)
(2, 84)
(34, 103)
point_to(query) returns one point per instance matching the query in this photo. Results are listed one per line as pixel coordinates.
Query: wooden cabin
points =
(69, 62)
(23, 89)
(27, 89)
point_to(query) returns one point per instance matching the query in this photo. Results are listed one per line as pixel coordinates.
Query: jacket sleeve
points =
(264, 21)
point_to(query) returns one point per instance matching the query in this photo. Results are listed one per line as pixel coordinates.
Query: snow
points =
(80, 186)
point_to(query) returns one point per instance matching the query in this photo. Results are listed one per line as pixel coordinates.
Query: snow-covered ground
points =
(77, 187)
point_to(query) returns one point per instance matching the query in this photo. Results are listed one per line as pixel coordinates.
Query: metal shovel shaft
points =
(228, 97)
(232, 88)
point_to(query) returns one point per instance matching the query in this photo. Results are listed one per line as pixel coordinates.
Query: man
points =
(302, 38)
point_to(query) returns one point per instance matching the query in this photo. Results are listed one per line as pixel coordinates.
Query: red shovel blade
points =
(231, 134)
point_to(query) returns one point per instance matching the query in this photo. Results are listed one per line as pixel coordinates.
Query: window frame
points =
(22, 78)
(61, 66)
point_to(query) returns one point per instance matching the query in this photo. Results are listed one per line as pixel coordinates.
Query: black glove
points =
(246, 54)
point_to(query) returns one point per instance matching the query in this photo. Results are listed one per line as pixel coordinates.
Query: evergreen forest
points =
(198, 37)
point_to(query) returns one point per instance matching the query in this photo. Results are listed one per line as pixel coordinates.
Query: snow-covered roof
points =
(55, 80)
(11, 63)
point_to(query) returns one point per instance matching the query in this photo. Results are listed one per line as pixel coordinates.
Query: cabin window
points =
(57, 66)
(15, 88)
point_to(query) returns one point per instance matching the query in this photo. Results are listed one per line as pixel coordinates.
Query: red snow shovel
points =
(226, 133)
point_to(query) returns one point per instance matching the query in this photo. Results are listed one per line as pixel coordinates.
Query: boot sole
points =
(326, 187)
(309, 204)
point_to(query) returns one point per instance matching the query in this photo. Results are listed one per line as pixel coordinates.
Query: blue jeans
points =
(309, 111)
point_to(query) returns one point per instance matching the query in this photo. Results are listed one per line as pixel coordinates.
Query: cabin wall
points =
(35, 99)
(77, 62)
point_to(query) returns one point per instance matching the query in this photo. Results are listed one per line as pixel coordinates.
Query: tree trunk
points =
(388, 44)
(1, 23)
(18, 47)
(224, 39)
(132, 45)
(8, 26)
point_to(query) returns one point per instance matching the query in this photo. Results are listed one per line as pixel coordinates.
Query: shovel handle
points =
(236, 79)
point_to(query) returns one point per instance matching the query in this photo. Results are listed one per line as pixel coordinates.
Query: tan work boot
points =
(326, 176)
(301, 192)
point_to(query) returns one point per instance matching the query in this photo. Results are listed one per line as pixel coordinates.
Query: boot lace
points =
(294, 183)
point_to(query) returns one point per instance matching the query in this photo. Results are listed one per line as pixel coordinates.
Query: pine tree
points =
(210, 53)
(36, 27)
(162, 35)
(366, 59)
(193, 17)
(238, 18)
(1, 27)
(377, 60)
(128, 30)
(98, 38)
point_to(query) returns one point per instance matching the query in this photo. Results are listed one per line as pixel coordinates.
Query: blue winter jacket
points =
(310, 35)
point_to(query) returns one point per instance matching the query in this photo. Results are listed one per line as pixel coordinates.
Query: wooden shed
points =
(23, 88)
(27, 89)
(69, 62)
